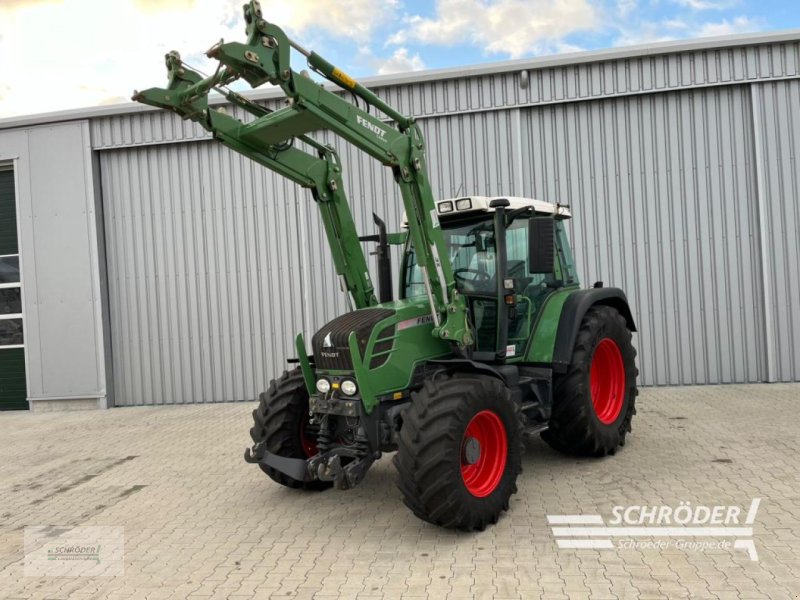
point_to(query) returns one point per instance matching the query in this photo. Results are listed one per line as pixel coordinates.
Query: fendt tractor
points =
(491, 340)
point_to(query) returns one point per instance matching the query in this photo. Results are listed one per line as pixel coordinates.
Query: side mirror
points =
(541, 245)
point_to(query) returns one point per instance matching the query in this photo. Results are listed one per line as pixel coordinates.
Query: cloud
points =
(97, 55)
(351, 19)
(155, 6)
(625, 7)
(726, 27)
(676, 29)
(399, 62)
(511, 27)
(6, 5)
(706, 4)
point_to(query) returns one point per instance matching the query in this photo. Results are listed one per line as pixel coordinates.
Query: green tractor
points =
(491, 341)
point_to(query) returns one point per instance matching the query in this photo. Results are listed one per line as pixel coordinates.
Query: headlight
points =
(323, 385)
(349, 387)
(445, 207)
(464, 203)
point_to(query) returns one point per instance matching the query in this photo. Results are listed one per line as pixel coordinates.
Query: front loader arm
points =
(268, 139)
(187, 95)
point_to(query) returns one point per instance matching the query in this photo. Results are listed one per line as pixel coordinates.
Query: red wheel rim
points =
(483, 476)
(308, 443)
(607, 379)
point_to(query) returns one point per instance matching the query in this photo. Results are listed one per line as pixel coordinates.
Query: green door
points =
(13, 386)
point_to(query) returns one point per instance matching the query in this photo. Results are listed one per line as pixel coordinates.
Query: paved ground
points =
(199, 522)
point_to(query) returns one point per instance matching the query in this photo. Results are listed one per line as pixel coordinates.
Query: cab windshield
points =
(471, 248)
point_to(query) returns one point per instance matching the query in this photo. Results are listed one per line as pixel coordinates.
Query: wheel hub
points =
(470, 451)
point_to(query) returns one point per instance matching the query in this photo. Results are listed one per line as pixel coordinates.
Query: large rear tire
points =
(460, 451)
(594, 401)
(281, 420)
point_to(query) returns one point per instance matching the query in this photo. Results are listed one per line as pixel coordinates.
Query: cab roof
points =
(464, 205)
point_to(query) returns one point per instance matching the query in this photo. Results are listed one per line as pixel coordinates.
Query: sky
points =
(63, 54)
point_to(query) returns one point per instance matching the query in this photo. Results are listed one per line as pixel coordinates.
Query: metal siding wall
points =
(778, 123)
(663, 192)
(214, 262)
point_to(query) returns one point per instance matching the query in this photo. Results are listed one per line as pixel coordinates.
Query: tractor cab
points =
(508, 255)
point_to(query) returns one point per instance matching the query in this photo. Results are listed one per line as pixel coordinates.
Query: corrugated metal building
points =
(158, 267)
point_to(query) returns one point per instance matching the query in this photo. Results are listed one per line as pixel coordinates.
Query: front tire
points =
(460, 451)
(594, 401)
(281, 421)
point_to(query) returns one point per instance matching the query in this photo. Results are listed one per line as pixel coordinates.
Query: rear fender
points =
(575, 307)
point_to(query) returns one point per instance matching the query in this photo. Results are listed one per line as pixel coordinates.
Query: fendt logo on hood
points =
(376, 129)
(328, 343)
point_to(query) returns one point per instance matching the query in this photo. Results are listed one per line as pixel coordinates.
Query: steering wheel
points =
(479, 276)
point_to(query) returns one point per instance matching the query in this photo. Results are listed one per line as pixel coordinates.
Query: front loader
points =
(491, 340)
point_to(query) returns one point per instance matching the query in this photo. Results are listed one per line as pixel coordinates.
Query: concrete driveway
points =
(198, 522)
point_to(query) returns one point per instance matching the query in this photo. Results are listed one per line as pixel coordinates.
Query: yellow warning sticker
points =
(344, 78)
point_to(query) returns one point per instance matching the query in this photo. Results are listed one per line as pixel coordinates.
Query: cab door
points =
(534, 283)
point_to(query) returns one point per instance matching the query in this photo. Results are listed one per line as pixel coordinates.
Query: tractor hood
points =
(331, 346)
(391, 340)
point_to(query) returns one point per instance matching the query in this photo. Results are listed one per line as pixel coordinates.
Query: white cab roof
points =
(449, 207)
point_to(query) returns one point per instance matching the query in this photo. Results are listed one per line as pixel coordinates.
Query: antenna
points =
(460, 187)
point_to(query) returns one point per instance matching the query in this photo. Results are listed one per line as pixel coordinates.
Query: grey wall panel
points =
(204, 297)
(777, 128)
(663, 192)
(62, 315)
(66, 290)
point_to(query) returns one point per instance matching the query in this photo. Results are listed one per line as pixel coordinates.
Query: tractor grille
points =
(331, 350)
(383, 342)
